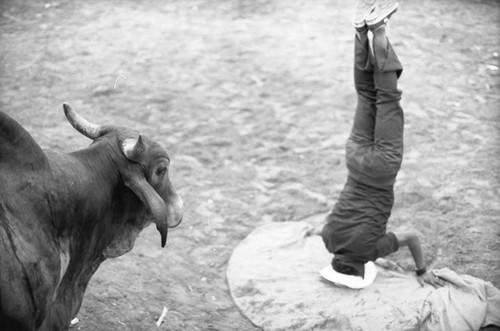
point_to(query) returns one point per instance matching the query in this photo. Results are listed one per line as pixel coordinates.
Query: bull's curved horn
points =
(132, 149)
(88, 129)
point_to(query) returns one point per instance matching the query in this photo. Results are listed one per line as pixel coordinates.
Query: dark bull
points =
(61, 215)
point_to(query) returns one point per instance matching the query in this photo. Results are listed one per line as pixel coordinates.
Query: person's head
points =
(347, 266)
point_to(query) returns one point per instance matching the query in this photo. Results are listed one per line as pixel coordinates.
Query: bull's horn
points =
(163, 233)
(133, 149)
(88, 129)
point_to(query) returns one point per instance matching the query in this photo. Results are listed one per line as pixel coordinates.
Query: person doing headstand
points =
(355, 230)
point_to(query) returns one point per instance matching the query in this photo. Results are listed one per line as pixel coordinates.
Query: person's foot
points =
(381, 13)
(363, 7)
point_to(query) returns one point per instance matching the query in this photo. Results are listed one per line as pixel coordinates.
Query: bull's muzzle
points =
(176, 211)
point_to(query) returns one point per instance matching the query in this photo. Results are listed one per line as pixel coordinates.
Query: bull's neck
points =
(83, 184)
(98, 163)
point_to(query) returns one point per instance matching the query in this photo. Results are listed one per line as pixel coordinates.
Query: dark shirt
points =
(356, 227)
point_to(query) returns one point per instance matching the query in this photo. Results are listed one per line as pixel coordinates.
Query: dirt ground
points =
(254, 101)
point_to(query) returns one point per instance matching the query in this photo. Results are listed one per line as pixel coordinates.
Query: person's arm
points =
(411, 240)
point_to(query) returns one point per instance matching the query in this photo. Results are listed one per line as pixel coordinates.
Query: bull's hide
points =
(273, 278)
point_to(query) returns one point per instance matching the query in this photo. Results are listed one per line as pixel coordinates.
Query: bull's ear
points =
(152, 200)
(133, 149)
(16, 144)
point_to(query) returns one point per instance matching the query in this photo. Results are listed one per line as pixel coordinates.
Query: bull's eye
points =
(161, 170)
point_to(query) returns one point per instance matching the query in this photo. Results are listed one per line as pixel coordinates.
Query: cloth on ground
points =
(273, 278)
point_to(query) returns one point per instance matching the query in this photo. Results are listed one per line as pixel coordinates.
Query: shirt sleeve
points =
(387, 244)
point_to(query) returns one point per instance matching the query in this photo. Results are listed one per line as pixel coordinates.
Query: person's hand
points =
(430, 278)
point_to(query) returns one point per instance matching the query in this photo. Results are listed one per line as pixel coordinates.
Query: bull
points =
(62, 215)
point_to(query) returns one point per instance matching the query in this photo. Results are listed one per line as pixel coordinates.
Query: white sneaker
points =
(363, 7)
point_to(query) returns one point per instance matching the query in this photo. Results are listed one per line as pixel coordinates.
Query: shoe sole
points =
(387, 14)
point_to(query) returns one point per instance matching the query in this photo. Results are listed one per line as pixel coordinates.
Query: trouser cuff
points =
(387, 59)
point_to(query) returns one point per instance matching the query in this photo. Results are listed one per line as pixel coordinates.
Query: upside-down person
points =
(355, 230)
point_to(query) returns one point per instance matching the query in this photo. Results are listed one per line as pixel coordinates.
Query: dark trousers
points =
(374, 150)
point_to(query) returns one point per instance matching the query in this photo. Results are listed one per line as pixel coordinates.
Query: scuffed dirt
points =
(254, 101)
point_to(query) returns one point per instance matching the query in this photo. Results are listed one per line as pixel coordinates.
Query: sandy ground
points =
(254, 101)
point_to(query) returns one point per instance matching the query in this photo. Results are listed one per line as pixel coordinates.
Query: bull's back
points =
(17, 146)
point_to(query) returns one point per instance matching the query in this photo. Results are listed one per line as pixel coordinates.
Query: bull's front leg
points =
(69, 295)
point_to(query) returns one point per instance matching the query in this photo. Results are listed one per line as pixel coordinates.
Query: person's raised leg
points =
(389, 123)
(362, 131)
